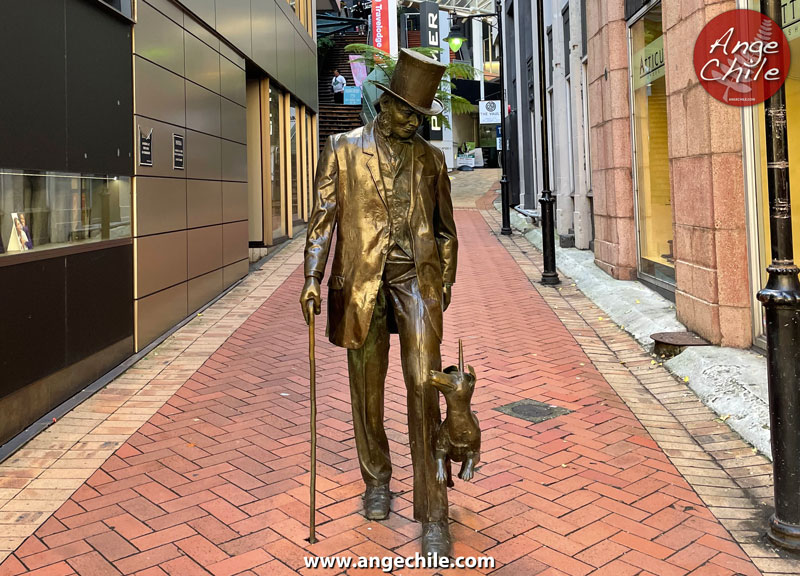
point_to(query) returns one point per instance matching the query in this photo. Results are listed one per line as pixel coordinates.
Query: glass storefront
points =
(43, 211)
(651, 149)
(281, 171)
(760, 206)
(309, 163)
(275, 98)
(294, 127)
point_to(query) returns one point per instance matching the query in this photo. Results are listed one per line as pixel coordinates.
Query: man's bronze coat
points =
(350, 198)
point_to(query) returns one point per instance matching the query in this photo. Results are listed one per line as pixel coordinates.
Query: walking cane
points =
(312, 504)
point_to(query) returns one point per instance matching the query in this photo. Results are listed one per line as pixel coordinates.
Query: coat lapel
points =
(419, 165)
(370, 150)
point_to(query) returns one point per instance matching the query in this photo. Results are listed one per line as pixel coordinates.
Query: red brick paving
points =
(216, 482)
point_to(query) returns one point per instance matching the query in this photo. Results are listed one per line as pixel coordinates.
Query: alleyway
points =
(196, 461)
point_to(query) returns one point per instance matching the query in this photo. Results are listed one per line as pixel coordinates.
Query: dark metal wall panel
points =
(286, 50)
(99, 289)
(265, 44)
(99, 91)
(32, 98)
(65, 309)
(233, 22)
(32, 339)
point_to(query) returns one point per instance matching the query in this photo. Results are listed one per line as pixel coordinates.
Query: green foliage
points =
(325, 42)
(374, 58)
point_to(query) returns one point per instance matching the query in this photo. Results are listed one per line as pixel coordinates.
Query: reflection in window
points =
(122, 6)
(654, 193)
(40, 211)
(295, 142)
(275, 98)
(309, 163)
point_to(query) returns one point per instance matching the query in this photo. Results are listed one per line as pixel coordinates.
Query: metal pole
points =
(505, 193)
(547, 202)
(312, 501)
(781, 300)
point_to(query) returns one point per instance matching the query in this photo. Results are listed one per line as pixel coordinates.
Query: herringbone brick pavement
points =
(217, 481)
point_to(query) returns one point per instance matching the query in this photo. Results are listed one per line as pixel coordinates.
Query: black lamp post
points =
(455, 39)
(546, 200)
(781, 300)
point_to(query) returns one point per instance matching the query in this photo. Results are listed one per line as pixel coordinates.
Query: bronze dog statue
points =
(459, 435)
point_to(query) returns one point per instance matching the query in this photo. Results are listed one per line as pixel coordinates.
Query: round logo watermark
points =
(742, 57)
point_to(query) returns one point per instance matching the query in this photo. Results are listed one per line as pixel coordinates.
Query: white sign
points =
(489, 111)
(465, 160)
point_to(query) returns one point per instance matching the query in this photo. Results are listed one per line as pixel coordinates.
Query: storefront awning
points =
(328, 24)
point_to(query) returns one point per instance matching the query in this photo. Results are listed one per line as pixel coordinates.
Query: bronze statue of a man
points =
(386, 193)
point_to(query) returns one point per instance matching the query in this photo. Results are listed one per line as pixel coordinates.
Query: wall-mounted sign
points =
(145, 148)
(489, 111)
(429, 23)
(384, 25)
(791, 18)
(649, 63)
(742, 57)
(178, 152)
(499, 139)
(429, 36)
(352, 95)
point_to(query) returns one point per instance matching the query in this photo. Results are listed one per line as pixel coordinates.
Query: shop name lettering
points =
(379, 24)
(747, 61)
(651, 62)
(789, 12)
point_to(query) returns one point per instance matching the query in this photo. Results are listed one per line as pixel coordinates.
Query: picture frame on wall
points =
(20, 240)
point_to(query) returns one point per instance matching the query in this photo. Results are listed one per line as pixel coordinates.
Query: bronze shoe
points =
(436, 539)
(376, 502)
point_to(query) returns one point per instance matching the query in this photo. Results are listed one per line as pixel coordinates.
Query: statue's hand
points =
(311, 291)
(447, 296)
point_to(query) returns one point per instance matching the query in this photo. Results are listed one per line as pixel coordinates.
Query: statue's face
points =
(403, 119)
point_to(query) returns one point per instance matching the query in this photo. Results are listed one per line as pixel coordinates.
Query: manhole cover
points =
(679, 339)
(669, 344)
(532, 411)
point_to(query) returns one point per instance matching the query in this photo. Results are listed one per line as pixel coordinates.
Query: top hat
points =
(415, 81)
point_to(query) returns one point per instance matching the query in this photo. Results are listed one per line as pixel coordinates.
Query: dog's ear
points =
(472, 371)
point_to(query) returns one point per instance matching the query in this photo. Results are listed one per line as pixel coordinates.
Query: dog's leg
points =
(467, 469)
(441, 472)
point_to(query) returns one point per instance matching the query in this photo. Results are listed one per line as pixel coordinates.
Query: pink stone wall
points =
(706, 170)
(708, 202)
(610, 134)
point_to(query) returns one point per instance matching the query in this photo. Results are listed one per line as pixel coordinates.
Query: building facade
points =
(664, 183)
(150, 148)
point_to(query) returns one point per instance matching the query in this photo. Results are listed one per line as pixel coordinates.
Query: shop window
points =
(584, 32)
(41, 211)
(565, 22)
(791, 27)
(295, 137)
(653, 189)
(275, 166)
(309, 163)
(124, 7)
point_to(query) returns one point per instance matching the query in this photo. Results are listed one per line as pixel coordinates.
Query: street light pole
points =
(505, 193)
(781, 300)
(547, 202)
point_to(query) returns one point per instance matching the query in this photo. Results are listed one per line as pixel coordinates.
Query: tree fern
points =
(374, 58)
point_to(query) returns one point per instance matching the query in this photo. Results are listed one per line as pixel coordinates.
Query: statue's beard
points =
(384, 124)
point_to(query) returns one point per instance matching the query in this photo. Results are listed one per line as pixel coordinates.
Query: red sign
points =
(381, 25)
(742, 57)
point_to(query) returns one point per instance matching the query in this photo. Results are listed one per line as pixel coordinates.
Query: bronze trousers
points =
(419, 348)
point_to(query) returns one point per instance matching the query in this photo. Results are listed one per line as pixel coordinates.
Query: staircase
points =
(335, 118)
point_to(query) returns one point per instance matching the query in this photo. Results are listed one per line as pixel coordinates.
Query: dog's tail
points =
(460, 356)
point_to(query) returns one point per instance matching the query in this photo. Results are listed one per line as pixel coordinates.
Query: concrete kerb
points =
(730, 381)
